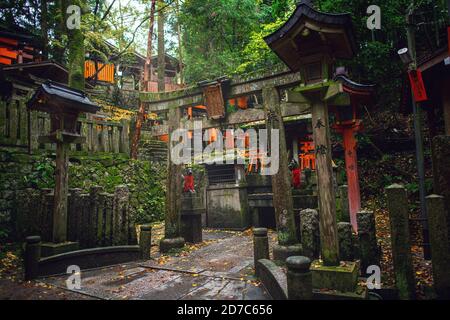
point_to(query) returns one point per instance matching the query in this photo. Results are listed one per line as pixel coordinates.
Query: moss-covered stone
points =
(342, 278)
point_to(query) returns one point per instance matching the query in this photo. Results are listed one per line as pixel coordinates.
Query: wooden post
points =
(281, 182)
(61, 192)
(351, 167)
(327, 198)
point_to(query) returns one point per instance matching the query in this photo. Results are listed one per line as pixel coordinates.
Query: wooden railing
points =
(22, 128)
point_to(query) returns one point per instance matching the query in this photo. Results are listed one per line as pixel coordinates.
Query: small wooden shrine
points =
(64, 105)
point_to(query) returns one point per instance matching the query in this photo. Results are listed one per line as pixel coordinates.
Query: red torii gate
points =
(348, 123)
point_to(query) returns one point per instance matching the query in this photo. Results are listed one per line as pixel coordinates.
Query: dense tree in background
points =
(225, 37)
(215, 33)
(161, 45)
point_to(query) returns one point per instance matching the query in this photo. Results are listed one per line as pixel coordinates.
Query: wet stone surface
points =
(220, 268)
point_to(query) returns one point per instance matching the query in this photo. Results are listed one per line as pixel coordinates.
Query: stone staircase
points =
(153, 150)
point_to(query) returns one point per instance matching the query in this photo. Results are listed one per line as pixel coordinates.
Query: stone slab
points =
(342, 278)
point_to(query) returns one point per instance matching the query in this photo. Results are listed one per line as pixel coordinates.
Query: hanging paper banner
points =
(417, 85)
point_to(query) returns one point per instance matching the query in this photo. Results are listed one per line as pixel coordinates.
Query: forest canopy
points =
(225, 37)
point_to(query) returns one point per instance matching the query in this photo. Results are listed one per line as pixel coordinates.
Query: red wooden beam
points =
(351, 168)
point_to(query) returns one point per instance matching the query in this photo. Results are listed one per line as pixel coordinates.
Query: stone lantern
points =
(310, 42)
(64, 105)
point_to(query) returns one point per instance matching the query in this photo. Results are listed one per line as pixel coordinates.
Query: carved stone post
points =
(281, 183)
(32, 256)
(299, 278)
(401, 248)
(145, 241)
(260, 246)
(172, 238)
(440, 251)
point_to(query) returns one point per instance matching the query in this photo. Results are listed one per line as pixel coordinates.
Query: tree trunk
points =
(148, 61)
(145, 85)
(161, 49)
(58, 52)
(44, 28)
(75, 45)
(180, 43)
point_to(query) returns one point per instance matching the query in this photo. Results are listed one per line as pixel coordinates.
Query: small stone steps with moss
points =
(153, 150)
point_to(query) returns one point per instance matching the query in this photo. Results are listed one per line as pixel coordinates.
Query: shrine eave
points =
(355, 88)
(53, 97)
(337, 26)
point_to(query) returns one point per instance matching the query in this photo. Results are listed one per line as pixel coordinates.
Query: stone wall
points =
(95, 219)
(20, 171)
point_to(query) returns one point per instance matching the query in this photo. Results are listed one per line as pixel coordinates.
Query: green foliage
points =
(145, 180)
(41, 175)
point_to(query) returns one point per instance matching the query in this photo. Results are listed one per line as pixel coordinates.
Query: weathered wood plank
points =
(158, 102)
(239, 117)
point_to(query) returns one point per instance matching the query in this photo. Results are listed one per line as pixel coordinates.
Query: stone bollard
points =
(368, 246)
(299, 278)
(145, 241)
(260, 246)
(343, 197)
(32, 257)
(310, 235)
(345, 241)
(121, 215)
(440, 251)
(397, 202)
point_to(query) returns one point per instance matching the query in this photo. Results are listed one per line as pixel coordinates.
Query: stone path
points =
(219, 268)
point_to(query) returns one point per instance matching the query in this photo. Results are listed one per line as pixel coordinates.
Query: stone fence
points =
(97, 219)
(22, 128)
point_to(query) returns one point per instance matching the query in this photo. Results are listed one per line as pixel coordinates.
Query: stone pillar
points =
(310, 235)
(32, 257)
(440, 251)
(260, 246)
(441, 170)
(125, 137)
(172, 237)
(281, 182)
(47, 214)
(345, 241)
(95, 215)
(101, 200)
(109, 219)
(191, 217)
(61, 192)
(327, 197)
(397, 202)
(299, 278)
(367, 238)
(343, 197)
(145, 241)
(446, 103)
(74, 215)
(120, 215)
